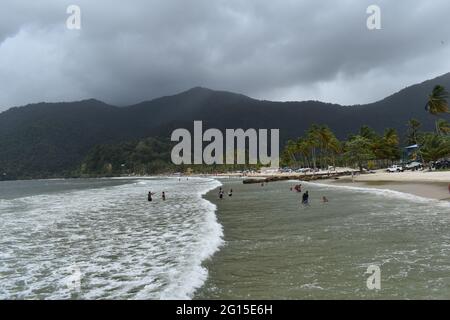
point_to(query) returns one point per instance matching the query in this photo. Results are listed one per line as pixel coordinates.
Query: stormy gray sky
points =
(129, 51)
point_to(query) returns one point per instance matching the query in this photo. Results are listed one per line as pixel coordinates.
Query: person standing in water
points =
(230, 194)
(324, 199)
(150, 194)
(305, 198)
(164, 196)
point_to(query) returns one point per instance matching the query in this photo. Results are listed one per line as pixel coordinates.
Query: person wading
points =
(305, 198)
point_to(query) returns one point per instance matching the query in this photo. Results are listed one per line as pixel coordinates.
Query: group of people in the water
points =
(151, 194)
(305, 195)
(222, 192)
(305, 199)
(296, 188)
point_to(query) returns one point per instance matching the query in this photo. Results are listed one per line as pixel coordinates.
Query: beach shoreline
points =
(433, 185)
(427, 184)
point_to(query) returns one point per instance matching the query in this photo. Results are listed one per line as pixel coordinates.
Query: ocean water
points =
(102, 239)
(276, 248)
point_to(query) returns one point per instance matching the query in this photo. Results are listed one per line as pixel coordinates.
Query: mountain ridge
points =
(208, 90)
(53, 137)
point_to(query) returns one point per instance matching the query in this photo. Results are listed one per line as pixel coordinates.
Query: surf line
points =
(186, 310)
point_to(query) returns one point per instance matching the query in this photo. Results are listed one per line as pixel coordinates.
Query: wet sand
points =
(432, 190)
(433, 185)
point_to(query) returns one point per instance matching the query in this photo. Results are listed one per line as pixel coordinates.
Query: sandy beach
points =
(427, 184)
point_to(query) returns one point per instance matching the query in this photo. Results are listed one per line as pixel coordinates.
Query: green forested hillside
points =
(53, 139)
(147, 156)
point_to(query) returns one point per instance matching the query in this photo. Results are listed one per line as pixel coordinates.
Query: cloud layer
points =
(127, 52)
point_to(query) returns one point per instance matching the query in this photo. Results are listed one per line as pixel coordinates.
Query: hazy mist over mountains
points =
(56, 136)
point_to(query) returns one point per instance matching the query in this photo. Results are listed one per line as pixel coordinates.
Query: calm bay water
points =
(277, 249)
(260, 244)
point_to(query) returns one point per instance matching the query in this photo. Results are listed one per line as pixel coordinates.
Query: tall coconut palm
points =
(391, 136)
(443, 126)
(435, 147)
(303, 148)
(413, 131)
(390, 144)
(413, 135)
(368, 133)
(291, 149)
(329, 144)
(314, 143)
(322, 140)
(437, 103)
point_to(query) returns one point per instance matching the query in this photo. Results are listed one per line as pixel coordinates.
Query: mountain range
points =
(53, 137)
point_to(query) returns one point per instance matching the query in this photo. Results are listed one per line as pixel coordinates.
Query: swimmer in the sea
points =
(150, 194)
(305, 198)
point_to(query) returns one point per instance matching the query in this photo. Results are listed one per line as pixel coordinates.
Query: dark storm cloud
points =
(282, 50)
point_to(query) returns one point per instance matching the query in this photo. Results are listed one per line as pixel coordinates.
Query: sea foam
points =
(123, 246)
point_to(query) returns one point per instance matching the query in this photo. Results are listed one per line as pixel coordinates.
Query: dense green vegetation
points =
(148, 156)
(89, 137)
(144, 157)
(320, 148)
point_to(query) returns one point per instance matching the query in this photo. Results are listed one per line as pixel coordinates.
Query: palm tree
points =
(413, 130)
(291, 149)
(390, 144)
(391, 136)
(443, 126)
(413, 135)
(435, 147)
(303, 148)
(313, 142)
(328, 142)
(368, 133)
(437, 103)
